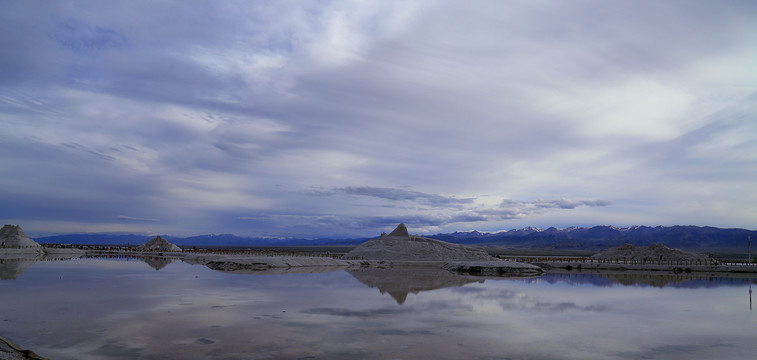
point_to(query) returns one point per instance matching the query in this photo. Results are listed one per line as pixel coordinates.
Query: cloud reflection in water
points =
(100, 309)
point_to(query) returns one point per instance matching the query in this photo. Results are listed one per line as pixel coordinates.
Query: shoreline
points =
(258, 263)
(279, 261)
(579, 266)
(13, 351)
(262, 263)
(225, 261)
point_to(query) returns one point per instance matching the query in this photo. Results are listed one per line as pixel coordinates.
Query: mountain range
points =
(691, 238)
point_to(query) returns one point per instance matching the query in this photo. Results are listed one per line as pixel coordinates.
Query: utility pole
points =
(749, 249)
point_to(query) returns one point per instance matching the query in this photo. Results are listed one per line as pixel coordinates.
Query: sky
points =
(344, 118)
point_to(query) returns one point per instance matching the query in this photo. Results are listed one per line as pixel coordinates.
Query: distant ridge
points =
(691, 238)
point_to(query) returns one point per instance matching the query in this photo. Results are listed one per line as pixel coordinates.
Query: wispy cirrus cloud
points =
(134, 218)
(510, 209)
(396, 194)
(551, 204)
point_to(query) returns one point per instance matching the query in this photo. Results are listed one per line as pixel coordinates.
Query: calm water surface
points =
(119, 309)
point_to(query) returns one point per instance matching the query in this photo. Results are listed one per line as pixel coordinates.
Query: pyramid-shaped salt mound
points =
(399, 245)
(158, 244)
(13, 237)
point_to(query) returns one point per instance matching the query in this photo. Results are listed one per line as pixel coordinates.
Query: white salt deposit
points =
(399, 245)
(652, 253)
(14, 240)
(158, 244)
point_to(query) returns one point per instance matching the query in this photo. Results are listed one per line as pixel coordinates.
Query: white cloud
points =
(344, 31)
(253, 67)
(212, 112)
(636, 108)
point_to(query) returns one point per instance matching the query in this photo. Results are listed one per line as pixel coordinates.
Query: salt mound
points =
(399, 245)
(656, 252)
(12, 236)
(158, 244)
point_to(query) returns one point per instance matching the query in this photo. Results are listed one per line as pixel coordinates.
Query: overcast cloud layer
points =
(298, 118)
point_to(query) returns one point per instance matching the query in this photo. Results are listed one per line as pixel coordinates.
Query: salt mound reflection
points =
(398, 283)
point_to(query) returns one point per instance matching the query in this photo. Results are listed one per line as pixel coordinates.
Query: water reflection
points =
(115, 309)
(12, 267)
(264, 269)
(648, 279)
(157, 263)
(399, 282)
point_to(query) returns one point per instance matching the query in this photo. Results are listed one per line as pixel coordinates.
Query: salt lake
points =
(99, 308)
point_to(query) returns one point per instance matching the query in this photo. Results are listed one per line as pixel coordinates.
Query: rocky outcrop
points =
(400, 245)
(158, 244)
(13, 237)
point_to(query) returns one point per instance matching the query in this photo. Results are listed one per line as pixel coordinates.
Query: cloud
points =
(132, 218)
(561, 204)
(514, 209)
(420, 220)
(202, 114)
(83, 37)
(395, 194)
(81, 147)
